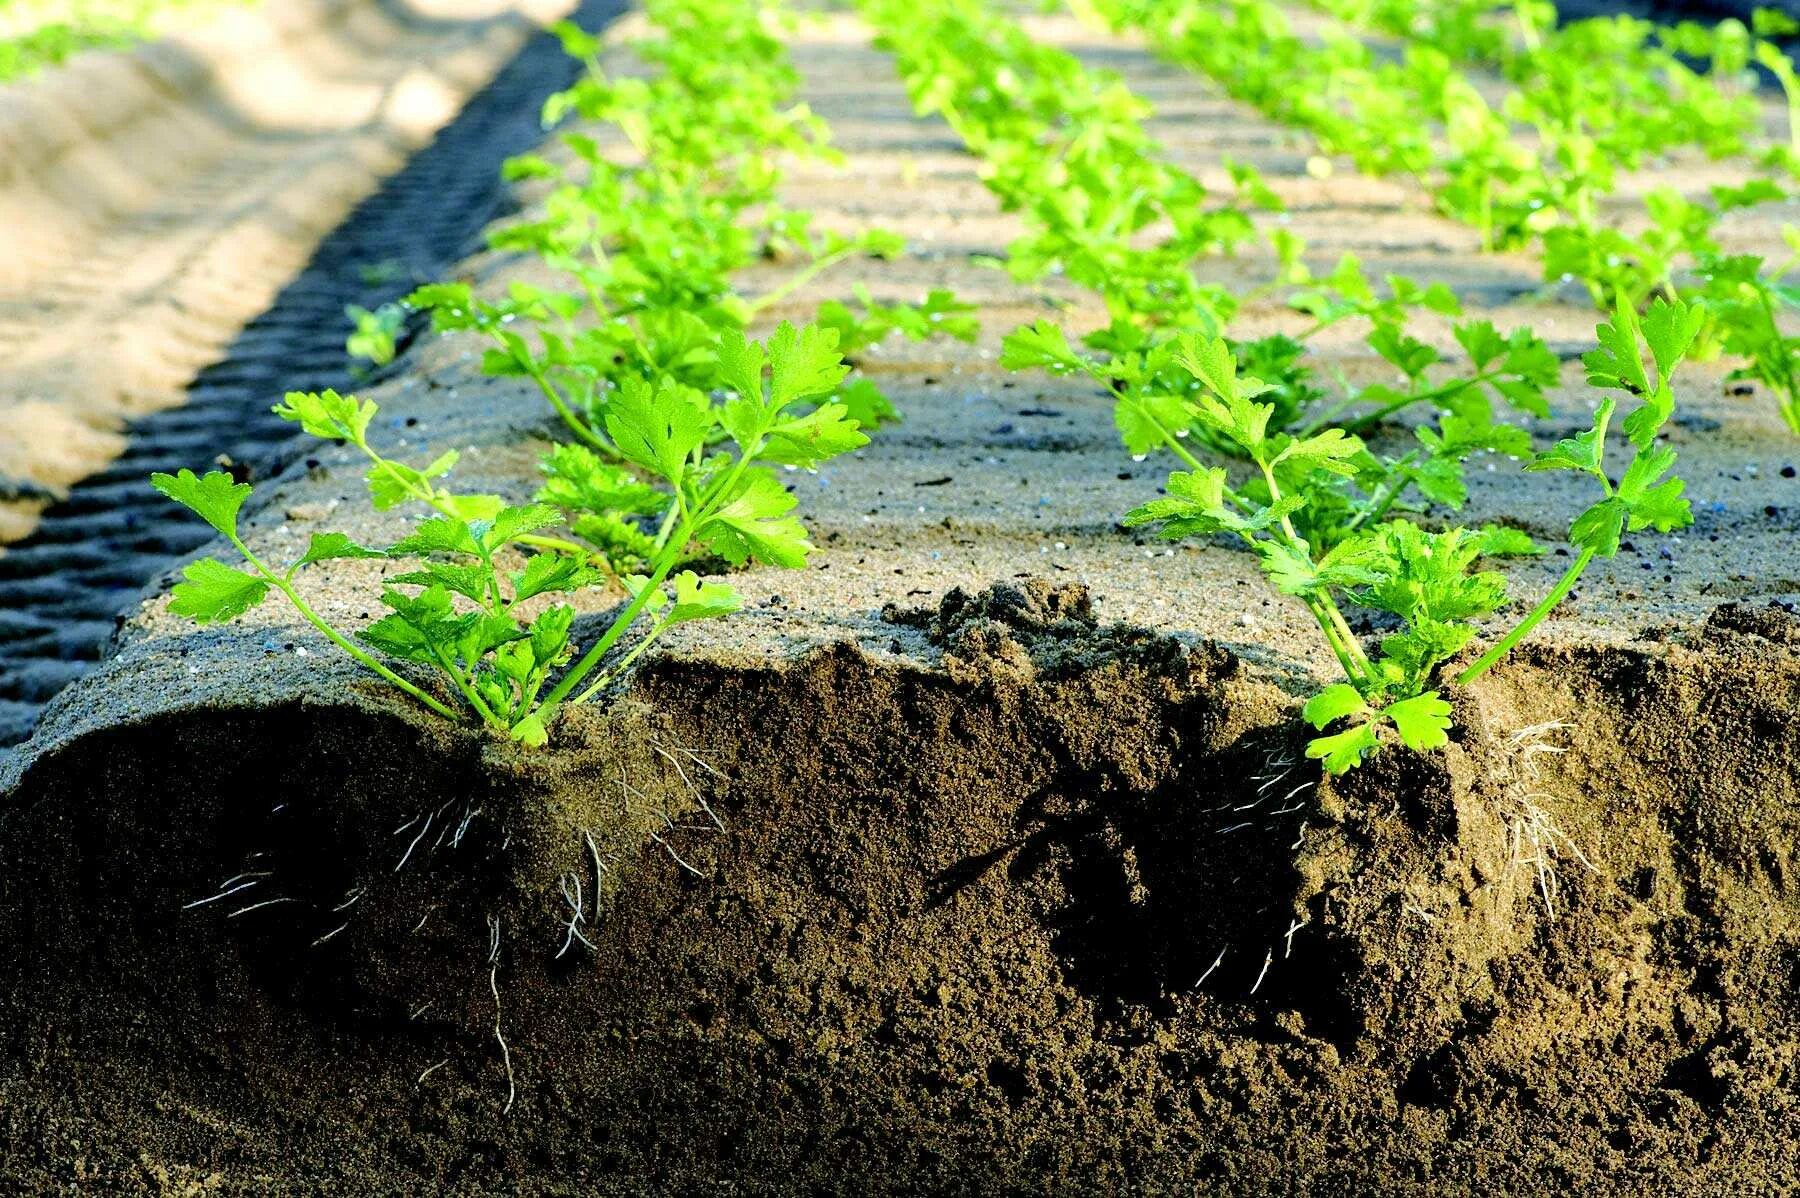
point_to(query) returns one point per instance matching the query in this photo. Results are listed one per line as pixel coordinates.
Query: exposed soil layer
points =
(1046, 907)
(922, 875)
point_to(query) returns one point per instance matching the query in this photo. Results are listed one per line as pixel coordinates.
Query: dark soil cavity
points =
(960, 932)
(63, 588)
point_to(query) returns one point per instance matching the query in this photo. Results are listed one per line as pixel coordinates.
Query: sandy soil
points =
(156, 200)
(978, 840)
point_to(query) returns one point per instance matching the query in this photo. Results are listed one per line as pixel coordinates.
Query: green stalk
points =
(1790, 407)
(622, 664)
(1331, 621)
(576, 425)
(798, 280)
(337, 638)
(467, 687)
(1557, 593)
(592, 657)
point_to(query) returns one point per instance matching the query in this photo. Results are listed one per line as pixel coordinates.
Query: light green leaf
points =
(808, 440)
(215, 593)
(658, 429)
(804, 363)
(328, 415)
(755, 523)
(1423, 721)
(698, 599)
(1333, 703)
(1343, 751)
(1584, 451)
(440, 534)
(325, 546)
(216, 498)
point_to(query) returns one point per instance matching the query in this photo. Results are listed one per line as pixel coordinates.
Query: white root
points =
(571, 892)
(1267, 961)
(1292, 928)
(415, 843)
(259, 906)
(512, 1088)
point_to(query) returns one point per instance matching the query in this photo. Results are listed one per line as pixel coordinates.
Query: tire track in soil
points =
(64, 588)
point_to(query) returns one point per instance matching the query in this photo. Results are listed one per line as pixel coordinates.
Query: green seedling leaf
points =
(1617, 362)
(1423, 721)
(550, 572)
(215, 498)
(699, 599)
(214, 593)
(1040, 346)
(754, 523)
(1669, 331)
(1584, 451)
(328, 415)
(324, 546)
(1651, 500)
(825, 432)
(440, 534)
(1332, 704)
(658, 429)
(1599, 527)
(511, 523)
(1344, 751)
(804, 364)
(865, 404)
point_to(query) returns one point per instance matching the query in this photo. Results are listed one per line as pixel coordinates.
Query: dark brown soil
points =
(961, 933)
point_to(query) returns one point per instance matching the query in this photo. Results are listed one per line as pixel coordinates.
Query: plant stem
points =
(1556, 595)
(578, 426)
(622, 664)
(337, 638)
(592, 657)
(798, 280)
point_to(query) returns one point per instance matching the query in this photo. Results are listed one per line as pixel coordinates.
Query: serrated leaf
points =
(1599, 527)
(754, 523)
(576, 479)
(1498, 541)
(1481, 341)
(1329, 450)
(324, 546)
(1653, 503)
(1584, 451)
(214, 593)
(804, 363)
(1343, 751)
(1618, 362)
(470, 581)
(658, 429)
(1669, 330)
(328, 415)
(511, 523)
(823, 433)
(699, 599)
(1041, 345)
(1333, 703)
(549, 634)
(216, 498)
(866, 404)
(547, 572)
(440, 534)
(1423, 721)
